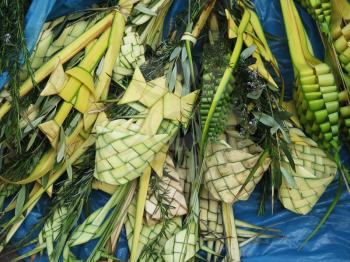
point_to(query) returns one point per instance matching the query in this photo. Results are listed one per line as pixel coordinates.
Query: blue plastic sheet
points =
(330, 244)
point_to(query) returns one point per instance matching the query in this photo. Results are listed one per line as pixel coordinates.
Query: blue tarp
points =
(333, 240)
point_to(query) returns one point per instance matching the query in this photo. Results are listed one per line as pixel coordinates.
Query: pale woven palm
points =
(122, 153)
(131, 55)
(172, 191)
(145, 141)
(228, 163)
(211, 223)
(314, 172)
(183, 245)
(155, 234)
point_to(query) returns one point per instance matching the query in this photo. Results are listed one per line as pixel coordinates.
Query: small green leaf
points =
(61, 147)
(288, 177)
(183, 54)
(31, 141)
(175, 53)
(20, 200)
(144, 9)
(256, 94)
(172, 79)
(33, 124)
(69, 170)
(288, 155)
(248, 51)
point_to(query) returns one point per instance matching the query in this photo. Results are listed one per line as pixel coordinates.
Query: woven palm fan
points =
(155, 235)
(228, 164)
(314, 171)
(171, 191)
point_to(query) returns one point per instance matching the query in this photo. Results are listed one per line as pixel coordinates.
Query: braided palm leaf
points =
(52, 229)
(320, 10)
(152, 236)
(183, 245)
(228, 164)
(314, 171)
(172, 195)
(213, 69)
(131, 55)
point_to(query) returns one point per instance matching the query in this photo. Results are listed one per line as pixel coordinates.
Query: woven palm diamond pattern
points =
(313, 173)
(228, 164)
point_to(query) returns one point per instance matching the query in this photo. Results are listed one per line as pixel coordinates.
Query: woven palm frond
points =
(126, 148)
(171, 193)
(314, 171)
(153, 236)
(122, 153)
(228, 164)
(183, 245)
(211, 223)
(131, 55)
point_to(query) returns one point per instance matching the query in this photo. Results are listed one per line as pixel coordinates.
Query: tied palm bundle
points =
(314, 171)
(316, 94)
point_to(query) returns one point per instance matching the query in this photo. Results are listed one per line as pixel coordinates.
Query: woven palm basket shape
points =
(228, 164)
(314, 171)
